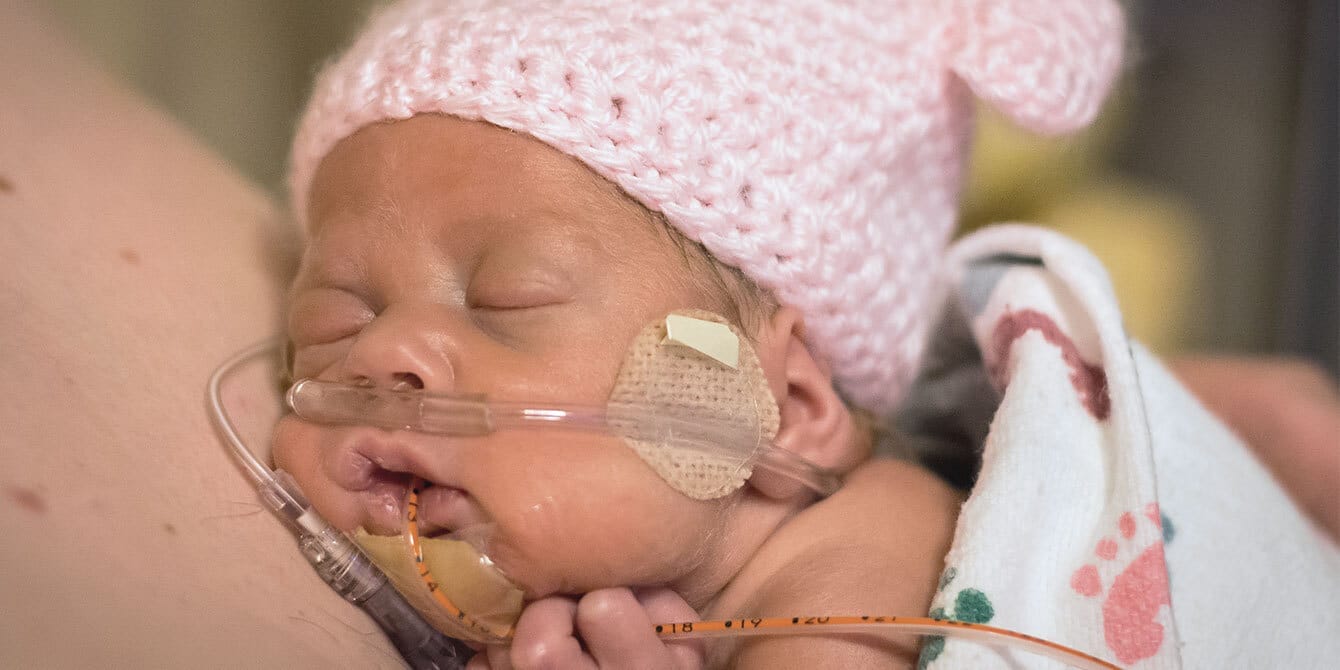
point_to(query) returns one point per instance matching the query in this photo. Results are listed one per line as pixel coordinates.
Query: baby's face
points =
(453, 256)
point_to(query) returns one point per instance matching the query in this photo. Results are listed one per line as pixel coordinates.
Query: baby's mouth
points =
(380, 470)
(440, 509)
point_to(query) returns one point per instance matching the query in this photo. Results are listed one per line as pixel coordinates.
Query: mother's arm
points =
(132, 260)
(1288, 412)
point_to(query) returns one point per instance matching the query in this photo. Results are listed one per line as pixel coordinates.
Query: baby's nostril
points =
(406, 380)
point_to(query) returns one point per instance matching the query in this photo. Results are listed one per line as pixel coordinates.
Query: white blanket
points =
(1111, 512)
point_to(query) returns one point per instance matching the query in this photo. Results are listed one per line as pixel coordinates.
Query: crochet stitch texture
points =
(818, 146)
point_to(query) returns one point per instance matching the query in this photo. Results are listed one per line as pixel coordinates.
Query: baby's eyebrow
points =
(573, 238)
(555, 232)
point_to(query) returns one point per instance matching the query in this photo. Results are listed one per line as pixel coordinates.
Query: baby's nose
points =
(400, 354)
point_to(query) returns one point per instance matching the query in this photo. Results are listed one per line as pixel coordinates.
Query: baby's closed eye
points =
(526, 273)
(518, 279)
(519, 293)
(518, 312)
(321, 325)
(322, 315)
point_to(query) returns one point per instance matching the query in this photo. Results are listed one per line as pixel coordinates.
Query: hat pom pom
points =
(1045, 64)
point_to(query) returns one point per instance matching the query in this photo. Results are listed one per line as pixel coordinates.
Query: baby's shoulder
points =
(876, 547)
(887, 515)
(892, 486)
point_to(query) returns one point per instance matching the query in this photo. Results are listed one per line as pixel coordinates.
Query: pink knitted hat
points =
(817, 145)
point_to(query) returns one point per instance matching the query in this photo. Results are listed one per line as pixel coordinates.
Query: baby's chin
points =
(568, 571)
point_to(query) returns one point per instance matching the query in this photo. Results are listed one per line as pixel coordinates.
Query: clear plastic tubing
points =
(473, 416)
(341, 565)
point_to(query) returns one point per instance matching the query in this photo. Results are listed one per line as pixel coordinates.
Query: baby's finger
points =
(665, 606)
(545, 637)
(497, 657)
(618, 632)
(480, 661)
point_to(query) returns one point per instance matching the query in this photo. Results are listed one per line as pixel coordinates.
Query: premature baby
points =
(499, 197)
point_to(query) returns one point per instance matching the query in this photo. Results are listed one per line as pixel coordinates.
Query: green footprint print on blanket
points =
(970, 606)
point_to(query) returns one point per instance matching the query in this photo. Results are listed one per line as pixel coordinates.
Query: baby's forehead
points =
(433, 159)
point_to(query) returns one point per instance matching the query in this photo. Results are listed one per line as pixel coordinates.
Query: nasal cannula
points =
(331, 553)
(464, 416)
(347, 570)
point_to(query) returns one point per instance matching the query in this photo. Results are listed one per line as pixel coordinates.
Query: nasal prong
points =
(335, 403)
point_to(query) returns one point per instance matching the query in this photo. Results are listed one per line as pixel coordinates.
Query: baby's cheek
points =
(577, 529)
(296, 449)
(536, 535)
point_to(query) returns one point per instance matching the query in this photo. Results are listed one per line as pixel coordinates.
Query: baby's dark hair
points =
(746, 303)
(742, 299)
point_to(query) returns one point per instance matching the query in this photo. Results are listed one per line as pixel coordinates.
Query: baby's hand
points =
(609, 628)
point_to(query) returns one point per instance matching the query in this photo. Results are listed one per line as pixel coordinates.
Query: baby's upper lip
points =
(365, 457)
(377, 466)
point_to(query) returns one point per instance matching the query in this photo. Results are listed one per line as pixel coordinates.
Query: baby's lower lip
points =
(385, 504)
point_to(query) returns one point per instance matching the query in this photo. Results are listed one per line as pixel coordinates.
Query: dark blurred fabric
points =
(1309, 322)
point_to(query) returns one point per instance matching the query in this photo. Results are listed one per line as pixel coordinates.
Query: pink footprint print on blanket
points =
(1133, 597)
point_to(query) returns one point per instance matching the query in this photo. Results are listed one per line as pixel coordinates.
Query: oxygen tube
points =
(352, 574)
(341, 565)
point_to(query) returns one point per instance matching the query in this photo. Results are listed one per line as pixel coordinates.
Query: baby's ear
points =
(1045, 64)
(815, 423)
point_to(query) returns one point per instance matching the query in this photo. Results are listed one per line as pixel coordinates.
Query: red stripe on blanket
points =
(1090, 381)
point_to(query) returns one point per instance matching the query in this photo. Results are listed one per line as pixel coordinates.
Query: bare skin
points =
(134, 262)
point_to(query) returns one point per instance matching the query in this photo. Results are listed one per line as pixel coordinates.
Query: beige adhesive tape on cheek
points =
(687, 376)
